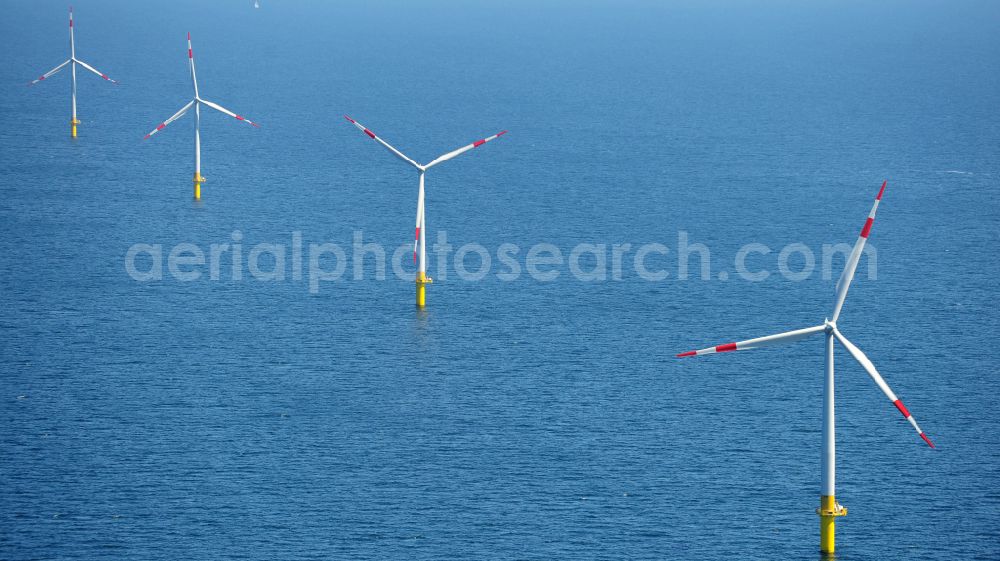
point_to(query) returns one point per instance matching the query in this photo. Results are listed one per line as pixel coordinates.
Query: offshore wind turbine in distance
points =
(419, 243)
(72, 62)
(196, 103)
(829, 508)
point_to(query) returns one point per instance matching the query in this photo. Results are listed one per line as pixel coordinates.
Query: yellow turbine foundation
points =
(422, 281)
(72, 124)
(198, 180)
(828, 512)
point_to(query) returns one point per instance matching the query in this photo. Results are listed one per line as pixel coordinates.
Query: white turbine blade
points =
(852, 260)
(176, 116)
(780, 338)
(374, 137)
(222, 109)
(94, 70)
(465, 149)
(49, 73)
(870, 368)
(194, 77)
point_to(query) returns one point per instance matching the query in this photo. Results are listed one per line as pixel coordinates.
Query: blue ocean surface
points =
(239, 418)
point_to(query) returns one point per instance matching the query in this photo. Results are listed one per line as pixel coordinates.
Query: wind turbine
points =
(419, 243)
(829, 508)
(73, 61)
(197, 102)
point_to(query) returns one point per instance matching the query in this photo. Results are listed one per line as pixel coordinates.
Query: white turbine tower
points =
(829, 509)
(419, 243)
(197, 102)
(73, 61)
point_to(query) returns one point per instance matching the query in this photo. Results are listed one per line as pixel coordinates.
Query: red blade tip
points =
(689, 353)
(927, 440)
(349, 119)
(882, 190)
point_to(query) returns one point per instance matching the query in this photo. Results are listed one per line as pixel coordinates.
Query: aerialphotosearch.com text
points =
(313, 263)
